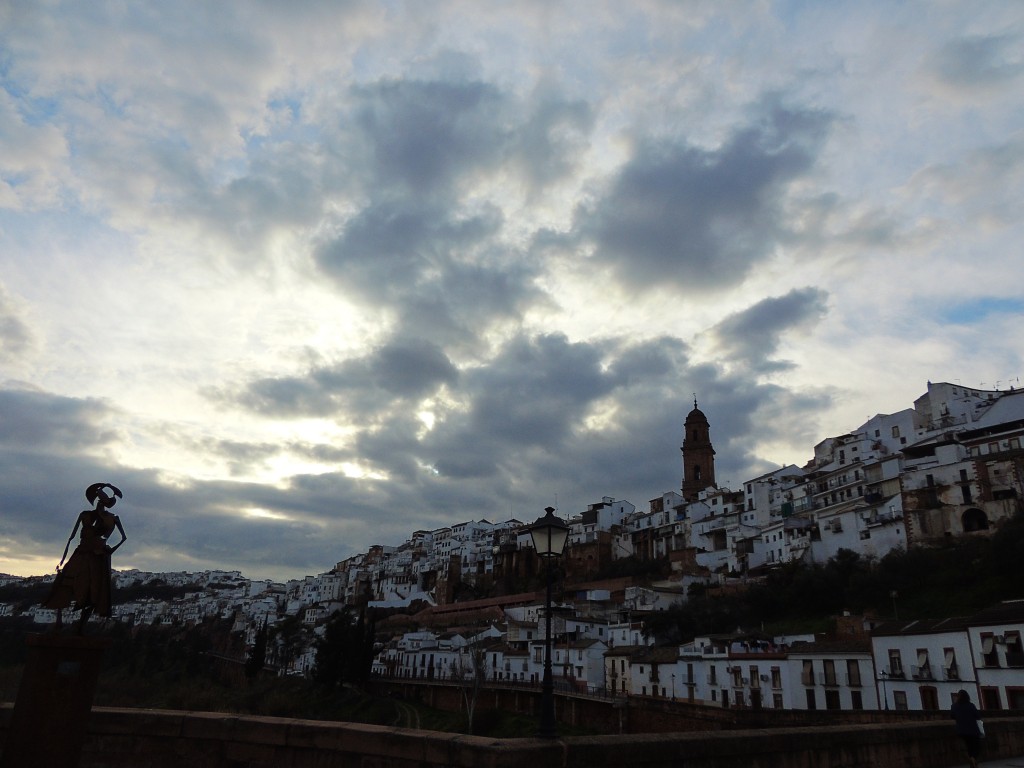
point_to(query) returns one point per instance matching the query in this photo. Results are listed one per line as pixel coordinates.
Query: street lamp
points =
(549, 534)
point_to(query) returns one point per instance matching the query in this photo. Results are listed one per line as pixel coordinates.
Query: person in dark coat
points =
(967, 717)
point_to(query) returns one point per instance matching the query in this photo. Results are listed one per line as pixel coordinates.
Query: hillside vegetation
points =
(956, 580)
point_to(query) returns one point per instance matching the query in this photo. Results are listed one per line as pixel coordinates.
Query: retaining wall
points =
(126, 738)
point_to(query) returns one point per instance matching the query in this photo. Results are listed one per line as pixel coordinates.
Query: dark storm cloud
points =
(390, 249)
(423, 137)
(752, 336)
(527, 411)
(402, 369)
(31, 420)
(684, 215)
(535, 390)
(979, 61)
(583, 420)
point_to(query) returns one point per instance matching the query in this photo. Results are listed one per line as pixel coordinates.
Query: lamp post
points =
(885, 699)
(549, 534)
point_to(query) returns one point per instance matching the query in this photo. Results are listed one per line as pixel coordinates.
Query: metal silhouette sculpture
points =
(85, 580)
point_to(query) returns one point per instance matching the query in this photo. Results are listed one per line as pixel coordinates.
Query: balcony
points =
(922, 672)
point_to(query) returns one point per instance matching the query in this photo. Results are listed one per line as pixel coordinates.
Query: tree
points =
(470, 670)
(345, 652)
(258, 657)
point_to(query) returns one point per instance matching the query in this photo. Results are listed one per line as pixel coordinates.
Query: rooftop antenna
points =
(695, 400)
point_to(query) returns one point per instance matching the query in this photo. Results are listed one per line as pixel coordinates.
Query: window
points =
(929, 697)
(830, 673)
(990, 699)
(989, 654)
(896, 431)
(776, 677)
(950, 671)
(811, 703)
(856, 700)
(1014, 652)
(832, 699)
(755, 680)
(777, 700)
(895, 663)
(807, 675)
(923, 670)
(853, 672)
(899, 701)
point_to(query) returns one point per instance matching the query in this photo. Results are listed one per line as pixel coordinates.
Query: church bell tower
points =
(698, 454)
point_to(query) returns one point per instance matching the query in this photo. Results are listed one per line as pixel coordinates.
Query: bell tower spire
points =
(698, 454)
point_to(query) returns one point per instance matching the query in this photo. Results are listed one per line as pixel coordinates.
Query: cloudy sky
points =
(304, 277)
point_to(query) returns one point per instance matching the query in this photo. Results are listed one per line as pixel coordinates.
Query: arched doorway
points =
(974, 520)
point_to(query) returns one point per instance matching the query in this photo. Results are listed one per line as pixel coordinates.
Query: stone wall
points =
(122, 738)
(634, 714)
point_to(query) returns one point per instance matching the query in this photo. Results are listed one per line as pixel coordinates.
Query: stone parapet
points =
(119, 738)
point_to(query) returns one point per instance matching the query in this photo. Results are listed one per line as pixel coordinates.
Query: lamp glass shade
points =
(549, 534)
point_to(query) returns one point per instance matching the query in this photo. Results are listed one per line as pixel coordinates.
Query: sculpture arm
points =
(124, 536)
(71, 538)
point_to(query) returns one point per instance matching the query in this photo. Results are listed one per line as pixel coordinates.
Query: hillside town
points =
(951, 466)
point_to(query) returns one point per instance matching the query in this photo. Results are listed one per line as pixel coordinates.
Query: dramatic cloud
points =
(699, 218)
(354, 389)
(752, 336)
(302, 279)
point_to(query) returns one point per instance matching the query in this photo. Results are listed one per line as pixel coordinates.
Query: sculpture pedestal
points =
(51, 714)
